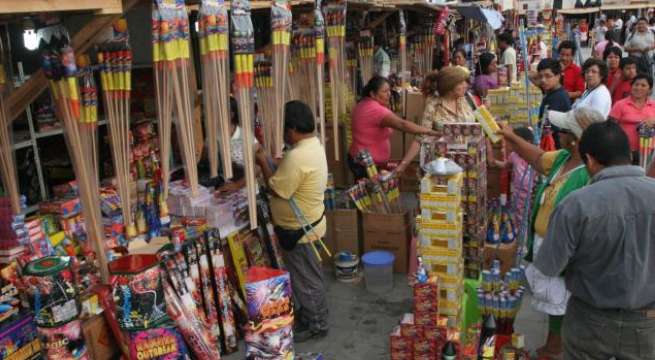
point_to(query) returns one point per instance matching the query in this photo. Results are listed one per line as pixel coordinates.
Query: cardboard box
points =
(410, 181)
(414, 107)
(344, 230)
(506, 253)
(397, 144)
(389, 232)
(339, 169)
(99, 340)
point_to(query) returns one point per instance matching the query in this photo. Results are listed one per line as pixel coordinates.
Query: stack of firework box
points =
(13, 232)
(501, 296)
(421, 334)
(465, 144)
(440, 244)
(510, 103)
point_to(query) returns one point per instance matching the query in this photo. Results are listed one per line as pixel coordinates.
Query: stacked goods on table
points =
(465, 144)
(500, 295)
(510, 103)
(440, 231)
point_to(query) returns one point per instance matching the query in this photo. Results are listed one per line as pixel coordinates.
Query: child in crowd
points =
(522, 181)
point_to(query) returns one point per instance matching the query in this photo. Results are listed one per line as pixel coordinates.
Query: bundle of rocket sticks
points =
(402, 45)
(335, 14)
(305, 74)
(115, 63)
(266, 102)
(7, 163)
(214, 54)
(89, 109)
(60, 69)
(365, 55)
(281, 29)
(173, 72)
(319, 34)
(423, 50)
(646, 144)
(243, 43)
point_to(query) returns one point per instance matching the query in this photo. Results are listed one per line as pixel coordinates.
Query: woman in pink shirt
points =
(372, 125)
(636, 109)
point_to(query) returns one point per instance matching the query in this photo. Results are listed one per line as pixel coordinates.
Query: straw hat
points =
(576, 120)
(449, 77)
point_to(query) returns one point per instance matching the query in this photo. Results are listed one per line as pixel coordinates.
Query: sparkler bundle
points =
(7, 163)
(646, 145)
(335, 14)
(379, 193)
(305, 77)
(214, 53)
(173, 79)
(243, 43)
(281, 29)
(115, 63)
(365, 55)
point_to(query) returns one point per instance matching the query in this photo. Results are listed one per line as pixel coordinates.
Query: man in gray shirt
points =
(603, 237)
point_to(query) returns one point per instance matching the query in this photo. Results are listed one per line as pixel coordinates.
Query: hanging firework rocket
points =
(307, 76)
(62, 73)
(214, 51)
(402, 46)
(171, 54)
(266, 102)
(319, 36)
(281, 29)
(646, 144)
(115, 62)
(335, 13)
(365, 55)
(7, 163)
(243, 43)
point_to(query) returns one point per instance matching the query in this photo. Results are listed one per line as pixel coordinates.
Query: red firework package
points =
(193, 330)
(64, 342)
(402, 347)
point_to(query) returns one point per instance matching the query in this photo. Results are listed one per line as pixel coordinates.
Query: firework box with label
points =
(19, 339)
(449, 185)
(160, 343)
(270, 314)
(64, 341)
(389, 232)
(63, 207)
(138, 293)
(402, 347)
(51, 289)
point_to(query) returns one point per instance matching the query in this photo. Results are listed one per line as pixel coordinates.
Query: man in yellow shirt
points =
(301, 177)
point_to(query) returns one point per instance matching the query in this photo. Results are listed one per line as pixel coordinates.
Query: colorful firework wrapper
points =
(64, 342)
(18, 340)
(50, 286)
(273, 339)
(163, 343)
(268, 294)
(137, 291)
(192, 329)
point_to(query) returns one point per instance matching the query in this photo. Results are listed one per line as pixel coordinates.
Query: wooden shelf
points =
(33, 6)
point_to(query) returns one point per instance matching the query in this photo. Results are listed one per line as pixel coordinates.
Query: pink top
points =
(368, 132)
(521, 187)
(628, 115)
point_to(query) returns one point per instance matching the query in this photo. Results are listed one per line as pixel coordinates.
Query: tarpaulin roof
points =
(493, 17)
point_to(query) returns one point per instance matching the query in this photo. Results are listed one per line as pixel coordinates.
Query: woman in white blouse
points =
(596, 96)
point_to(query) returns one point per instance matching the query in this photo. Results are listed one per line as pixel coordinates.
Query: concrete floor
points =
(360, 322)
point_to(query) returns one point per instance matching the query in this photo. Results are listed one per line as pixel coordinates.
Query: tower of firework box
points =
(441, 234)
(465, 144)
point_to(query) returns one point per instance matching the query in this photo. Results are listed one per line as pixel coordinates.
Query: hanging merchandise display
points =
(61, 70)
(281, 39)
(266, 105)
(365, 55)
(115, 62)
(7, 163)
(305, 51)
(402, 47)
(335, 16)
(171, 54)
(243, 43)
(214, 53)
(319, 40)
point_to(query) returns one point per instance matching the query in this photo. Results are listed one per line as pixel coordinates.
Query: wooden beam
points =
(33, 6)
(20, 98)
(380, 20)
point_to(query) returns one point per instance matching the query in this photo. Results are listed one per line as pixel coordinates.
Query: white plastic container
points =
(378, 271)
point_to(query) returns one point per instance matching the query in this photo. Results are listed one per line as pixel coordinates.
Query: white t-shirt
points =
(598, 99)
(509, 58)
(236, 145)
(641, 41)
